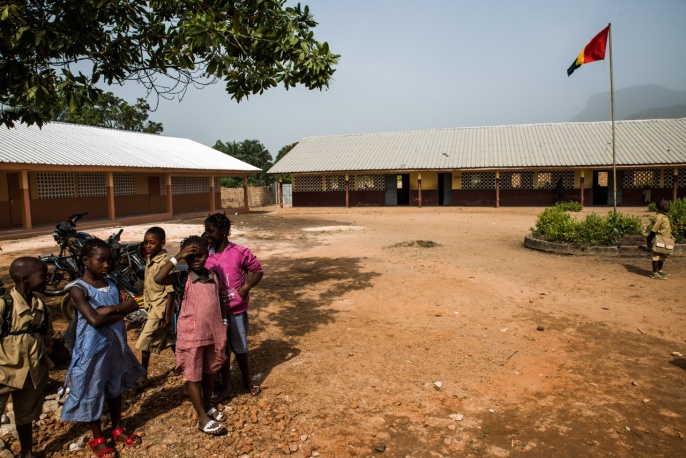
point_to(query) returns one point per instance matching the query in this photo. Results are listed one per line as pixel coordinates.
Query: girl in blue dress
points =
(103, 365)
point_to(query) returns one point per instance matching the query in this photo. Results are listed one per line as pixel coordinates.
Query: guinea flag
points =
(594, 50)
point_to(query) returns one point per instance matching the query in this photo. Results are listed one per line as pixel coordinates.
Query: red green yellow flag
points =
(593, 51)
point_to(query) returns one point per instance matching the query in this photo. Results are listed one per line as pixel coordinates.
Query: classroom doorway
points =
(16, 199)
(397, 190)
(445, 189)
(601, 181)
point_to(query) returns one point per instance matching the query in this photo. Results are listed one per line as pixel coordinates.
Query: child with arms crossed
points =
(102, 366)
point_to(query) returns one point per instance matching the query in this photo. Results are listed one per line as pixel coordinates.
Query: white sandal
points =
(216, 415)
(212, 428)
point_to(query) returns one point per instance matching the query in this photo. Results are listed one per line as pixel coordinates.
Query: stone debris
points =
(380, 446)
(456, 416)
(438, 385)
(677, 354)
(540, 328)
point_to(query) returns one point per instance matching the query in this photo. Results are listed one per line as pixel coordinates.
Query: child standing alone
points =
(200, 336)
(239, 271)
(24, 361)
(102, 366)
(158, 332)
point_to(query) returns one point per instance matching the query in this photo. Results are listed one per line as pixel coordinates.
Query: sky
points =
(410, 65)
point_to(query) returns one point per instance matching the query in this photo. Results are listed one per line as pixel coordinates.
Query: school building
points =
(519, 165)
(48, 173)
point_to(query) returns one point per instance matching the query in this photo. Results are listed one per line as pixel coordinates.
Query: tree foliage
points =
(54, 53)
(114, 113)
(282, 152)
(254, 153)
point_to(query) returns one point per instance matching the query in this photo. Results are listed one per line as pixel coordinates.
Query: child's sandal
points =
(107, 452)
(134, 440)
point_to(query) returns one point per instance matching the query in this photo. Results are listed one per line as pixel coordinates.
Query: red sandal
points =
(131, 441)
(93, 444)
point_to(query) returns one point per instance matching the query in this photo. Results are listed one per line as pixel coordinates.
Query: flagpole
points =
(612, 109)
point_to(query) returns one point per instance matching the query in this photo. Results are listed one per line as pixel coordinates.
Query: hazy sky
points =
(410, 65)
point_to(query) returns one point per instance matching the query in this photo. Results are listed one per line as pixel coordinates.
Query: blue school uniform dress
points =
(102, 365)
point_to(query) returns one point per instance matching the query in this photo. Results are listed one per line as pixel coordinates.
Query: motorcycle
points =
(127, 272)
(66, 266)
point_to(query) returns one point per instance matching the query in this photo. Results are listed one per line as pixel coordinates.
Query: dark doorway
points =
(445, 189)
(153, 194)
(391, 187)
(600, 186)
(16, 199)
(403, 189)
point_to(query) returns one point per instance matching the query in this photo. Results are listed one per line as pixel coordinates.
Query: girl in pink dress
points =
(201, 330)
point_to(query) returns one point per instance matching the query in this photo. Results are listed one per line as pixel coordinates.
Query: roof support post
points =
(497, 189)
(213, 197)
(347, 191)
(675, 183)
(280, 191)
(109, 192)
(245, 193)
(25, 200)
(581, 185)
(419, 190)
(168, 190)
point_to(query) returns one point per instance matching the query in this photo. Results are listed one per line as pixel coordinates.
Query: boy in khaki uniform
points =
(24, 360)
(158, 332)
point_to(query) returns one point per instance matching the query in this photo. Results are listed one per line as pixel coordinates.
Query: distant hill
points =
(677, 111)
(633, 103)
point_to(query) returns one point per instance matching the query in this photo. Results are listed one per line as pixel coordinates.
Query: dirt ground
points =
(475, 347)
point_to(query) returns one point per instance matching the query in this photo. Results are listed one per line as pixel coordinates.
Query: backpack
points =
(7, 320)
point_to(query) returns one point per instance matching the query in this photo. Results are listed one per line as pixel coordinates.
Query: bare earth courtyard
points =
(365, 346)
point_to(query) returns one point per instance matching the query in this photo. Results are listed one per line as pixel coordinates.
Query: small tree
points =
(114, 113)
(282, 152)
(254, 153)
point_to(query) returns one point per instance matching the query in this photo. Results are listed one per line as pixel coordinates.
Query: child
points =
(102, 366)
(200, 337)
(24, 361)
(663, 228)
(232, 263)
(158, 332)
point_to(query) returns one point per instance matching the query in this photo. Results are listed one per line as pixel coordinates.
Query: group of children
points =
(212, 323)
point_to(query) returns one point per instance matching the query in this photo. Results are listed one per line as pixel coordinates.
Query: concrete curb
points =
(629, 251)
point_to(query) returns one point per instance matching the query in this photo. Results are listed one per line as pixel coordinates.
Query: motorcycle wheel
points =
(68, 308)
(57, 277)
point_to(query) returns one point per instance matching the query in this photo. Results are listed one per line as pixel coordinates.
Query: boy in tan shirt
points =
(24, 360)
(158, 332)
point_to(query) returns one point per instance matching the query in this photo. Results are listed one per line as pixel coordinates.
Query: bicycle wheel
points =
(57, 277)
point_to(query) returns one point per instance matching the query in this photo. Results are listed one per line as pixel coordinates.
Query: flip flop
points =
(212, 428)
(253, 389)
(216, 415)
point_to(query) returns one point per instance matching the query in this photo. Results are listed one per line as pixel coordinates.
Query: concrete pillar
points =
(347, 191)
(281, 192)
(675, 183)
(25, 200)
(245, 193)
(213, 197)
(419, 190)
(168, 190)
(109, 183)
(497, 189)
(581, 185)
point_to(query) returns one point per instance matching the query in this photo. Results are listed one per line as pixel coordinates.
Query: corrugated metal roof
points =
(76, 145)
(573, 144)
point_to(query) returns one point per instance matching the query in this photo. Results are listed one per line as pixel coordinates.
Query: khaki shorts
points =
(27, 402)
(154, 339)
(658, 257)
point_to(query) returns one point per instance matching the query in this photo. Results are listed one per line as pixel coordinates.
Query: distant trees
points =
(254, 153)
(114, 113)
(282, 152)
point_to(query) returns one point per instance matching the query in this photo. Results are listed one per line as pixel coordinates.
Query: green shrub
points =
(569, 206)
(555, 225)
(652, 207)
(677, 219)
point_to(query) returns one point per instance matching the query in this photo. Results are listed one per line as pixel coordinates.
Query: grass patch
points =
(415, 244)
